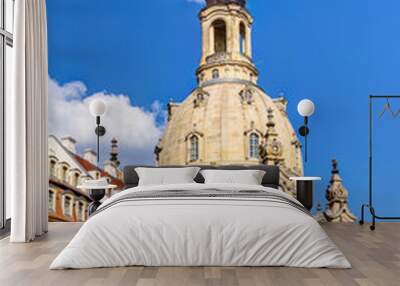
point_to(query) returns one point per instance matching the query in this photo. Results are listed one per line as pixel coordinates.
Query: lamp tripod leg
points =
(372, 227)
(361, 222)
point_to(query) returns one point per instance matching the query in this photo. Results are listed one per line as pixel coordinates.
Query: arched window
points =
(63, 176)
(74, 179)
(254, 145)
(215, 74)
(194, 148)
(52, 166)
(219, 36)
(77, 176)
(67, 205)
(80, 211)
(52, 199)
(242, 40)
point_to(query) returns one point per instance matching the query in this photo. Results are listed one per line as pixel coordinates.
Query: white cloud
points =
(135, 128)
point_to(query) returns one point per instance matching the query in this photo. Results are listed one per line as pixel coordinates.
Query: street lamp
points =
(98, 108)
(305, 108)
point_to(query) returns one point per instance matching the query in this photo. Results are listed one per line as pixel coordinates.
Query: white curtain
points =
(26, 123)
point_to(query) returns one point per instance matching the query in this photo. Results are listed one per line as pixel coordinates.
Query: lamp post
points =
(305, 108)
(98, 108)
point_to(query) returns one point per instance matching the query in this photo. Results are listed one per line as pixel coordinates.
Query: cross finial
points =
(335, 169)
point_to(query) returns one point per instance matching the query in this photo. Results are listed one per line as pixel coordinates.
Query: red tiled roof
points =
(90, 167)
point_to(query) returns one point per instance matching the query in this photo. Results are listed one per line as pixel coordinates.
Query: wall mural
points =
(219, 85)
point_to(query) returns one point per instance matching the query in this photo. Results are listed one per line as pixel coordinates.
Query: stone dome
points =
(223, 116)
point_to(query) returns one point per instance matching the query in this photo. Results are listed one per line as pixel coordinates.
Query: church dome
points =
(231, 123)
(228, 119)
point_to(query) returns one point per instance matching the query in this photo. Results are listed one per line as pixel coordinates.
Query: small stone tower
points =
(337, 195)
(271, 150)
(114, 152)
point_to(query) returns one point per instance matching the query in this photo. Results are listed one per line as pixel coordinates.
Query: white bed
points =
(246, 226)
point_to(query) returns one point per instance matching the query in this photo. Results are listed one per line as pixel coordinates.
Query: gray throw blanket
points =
(203, 194)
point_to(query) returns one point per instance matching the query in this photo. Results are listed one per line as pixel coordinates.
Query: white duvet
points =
(193, 231)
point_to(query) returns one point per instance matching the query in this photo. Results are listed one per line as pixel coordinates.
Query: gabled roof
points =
(90, 167)
(87, 166)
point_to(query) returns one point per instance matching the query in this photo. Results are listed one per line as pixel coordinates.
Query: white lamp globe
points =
(97, 107)
(306, 108)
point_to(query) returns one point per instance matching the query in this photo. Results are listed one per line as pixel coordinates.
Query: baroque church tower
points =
(228, 118)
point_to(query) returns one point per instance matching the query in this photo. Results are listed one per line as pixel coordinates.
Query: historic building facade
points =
(228, 118)
(67, 170)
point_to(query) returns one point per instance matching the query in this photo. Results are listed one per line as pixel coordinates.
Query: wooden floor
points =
(375, 257)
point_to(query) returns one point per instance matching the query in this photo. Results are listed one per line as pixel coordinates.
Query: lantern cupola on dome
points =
(219, 2)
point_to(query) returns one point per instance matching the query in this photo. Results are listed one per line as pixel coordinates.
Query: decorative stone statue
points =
(271, 153)
(337, 208)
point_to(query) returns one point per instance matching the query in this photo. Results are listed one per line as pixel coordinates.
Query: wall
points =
(333, 52)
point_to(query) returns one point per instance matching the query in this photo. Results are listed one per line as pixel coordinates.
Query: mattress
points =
(201, 225)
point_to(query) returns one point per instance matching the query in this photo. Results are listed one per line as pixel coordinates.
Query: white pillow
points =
(166, 176)
(247, 177)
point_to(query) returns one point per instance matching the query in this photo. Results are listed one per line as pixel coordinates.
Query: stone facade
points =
(67, 170)
(228, 118)
(66, 203)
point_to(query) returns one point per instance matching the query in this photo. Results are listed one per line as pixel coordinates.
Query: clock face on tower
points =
(275, 148)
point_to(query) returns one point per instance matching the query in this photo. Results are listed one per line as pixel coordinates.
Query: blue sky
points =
(333, 52)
